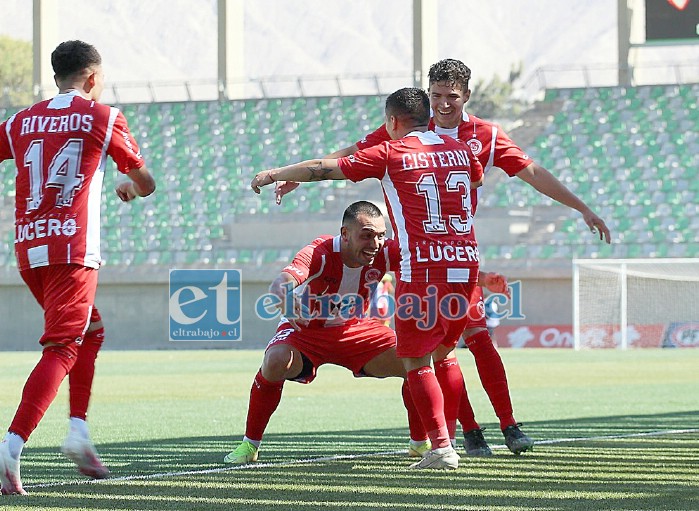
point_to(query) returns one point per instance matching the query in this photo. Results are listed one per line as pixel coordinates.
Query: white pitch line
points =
(611, 437)
(338, 457)
(216, 470)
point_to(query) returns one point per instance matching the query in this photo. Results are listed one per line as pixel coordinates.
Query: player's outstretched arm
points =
(303, 172)
(494, 282)
(284, 187)
(141, 184)
(545, 182)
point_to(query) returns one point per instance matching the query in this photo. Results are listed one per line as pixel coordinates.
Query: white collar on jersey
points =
(62, 100)
(426, 137)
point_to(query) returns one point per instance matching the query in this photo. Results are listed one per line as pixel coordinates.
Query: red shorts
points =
(439, 320)
(66, 292)
(351, 346)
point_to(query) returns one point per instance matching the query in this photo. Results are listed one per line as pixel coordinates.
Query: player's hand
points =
(597, 226)
(263, 178)
(284, 187)
(302, 315)
(496, 283)
(125, 191)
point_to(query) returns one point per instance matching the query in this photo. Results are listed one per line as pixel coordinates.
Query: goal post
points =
(633, 303)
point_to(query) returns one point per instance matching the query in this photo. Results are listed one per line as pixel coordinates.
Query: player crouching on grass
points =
(348, 265)
(330, 266)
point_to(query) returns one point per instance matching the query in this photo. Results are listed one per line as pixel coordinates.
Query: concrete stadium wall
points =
(134, 306)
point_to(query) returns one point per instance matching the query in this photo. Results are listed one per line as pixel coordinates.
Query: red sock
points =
(429, 401)
(492, 374)
(41, 387)
(451, 381)
(264, 399)
(417, 430)
(83, 372)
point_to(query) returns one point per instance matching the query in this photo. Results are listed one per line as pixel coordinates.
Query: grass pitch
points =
(616, 430)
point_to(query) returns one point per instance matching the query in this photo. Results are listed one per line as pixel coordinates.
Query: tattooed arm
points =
(306, 171)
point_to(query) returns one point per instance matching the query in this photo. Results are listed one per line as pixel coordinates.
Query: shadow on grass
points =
(643, 472)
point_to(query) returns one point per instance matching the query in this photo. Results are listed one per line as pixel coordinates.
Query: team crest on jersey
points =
(475, 145)
(373, 275)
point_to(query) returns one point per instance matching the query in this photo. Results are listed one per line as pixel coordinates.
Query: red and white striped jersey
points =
(337, 290)
(60, 147)
(426, 179)
(487, 140)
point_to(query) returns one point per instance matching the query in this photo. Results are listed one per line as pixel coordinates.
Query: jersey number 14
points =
(63, 172)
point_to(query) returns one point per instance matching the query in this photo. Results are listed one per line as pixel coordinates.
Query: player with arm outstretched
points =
(427, 181)
(449, 92)
(59, 147)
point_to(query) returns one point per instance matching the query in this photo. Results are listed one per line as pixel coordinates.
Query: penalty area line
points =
(339, 457)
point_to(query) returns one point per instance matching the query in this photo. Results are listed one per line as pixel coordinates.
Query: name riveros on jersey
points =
(56, 124)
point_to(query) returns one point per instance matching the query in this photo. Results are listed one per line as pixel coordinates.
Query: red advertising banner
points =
(535, 336)
(674, 335)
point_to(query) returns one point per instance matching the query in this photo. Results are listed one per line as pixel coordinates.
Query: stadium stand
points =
(631, 152)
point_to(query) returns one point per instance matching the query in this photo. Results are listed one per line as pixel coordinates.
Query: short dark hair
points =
(411, 103)
(71, 57)
(452, 71)
(361, 207)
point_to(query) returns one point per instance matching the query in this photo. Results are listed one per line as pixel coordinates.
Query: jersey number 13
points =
(456, 182)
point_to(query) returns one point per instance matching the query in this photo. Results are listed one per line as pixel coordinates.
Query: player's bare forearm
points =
(284, 187)
(317, 172)
(141, 184)
(282, 285)
(142, 181)
(545, 182)
(303, 172)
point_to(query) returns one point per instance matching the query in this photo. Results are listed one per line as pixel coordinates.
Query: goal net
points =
(634, 303)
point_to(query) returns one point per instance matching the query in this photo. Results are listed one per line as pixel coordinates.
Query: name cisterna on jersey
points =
(45, 227)
(56, 124)
(426, 160)
(449, 253)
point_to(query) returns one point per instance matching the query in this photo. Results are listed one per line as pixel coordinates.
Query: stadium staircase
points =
(631, 153)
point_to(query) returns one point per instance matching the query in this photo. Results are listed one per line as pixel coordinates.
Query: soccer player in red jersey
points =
(329, 270)
(60, 147)
(449, 93)
(426, 180)
(337, 275)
